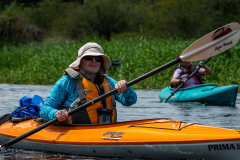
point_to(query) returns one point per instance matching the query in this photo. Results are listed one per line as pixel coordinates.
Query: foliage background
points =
(39, 39)
(24, 20)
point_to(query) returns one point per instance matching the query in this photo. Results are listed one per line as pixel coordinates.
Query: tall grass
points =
(44, 63)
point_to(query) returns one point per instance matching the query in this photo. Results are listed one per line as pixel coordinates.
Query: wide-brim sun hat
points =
(92, 49)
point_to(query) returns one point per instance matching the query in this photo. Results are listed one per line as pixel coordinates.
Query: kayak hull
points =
(209, 94)
(155, 139)
(226, 150)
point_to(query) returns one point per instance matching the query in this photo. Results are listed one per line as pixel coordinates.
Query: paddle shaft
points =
(15, 140)
(181, 84)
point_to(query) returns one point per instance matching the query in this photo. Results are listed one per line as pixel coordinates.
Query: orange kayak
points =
(150, 138)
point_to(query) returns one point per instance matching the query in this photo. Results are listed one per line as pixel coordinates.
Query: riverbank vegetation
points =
(39, 39)
(44, 63)
(23, 21)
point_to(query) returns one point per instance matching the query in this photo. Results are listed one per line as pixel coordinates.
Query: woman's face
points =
(90, 66)
(185, 63)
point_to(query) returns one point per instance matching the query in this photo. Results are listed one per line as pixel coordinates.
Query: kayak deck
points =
(154, 131)
(151, 138)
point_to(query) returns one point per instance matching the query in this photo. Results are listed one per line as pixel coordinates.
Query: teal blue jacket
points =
(65, 92)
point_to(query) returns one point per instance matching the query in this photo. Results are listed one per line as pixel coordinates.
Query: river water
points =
(148, 106)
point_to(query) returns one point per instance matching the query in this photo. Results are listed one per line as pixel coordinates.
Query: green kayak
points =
(209, 94)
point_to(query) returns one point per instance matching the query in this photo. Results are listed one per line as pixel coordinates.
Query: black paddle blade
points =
(4, 118)
(116, 63)
(2, 148)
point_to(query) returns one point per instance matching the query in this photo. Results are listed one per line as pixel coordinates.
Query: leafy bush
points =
(14, 29)
(44, 63)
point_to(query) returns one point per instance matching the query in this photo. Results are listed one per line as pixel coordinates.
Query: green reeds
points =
(44, 63)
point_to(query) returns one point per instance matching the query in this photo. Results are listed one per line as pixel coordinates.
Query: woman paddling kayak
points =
(81, 83)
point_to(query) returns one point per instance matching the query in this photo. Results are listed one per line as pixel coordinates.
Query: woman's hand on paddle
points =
(202, 64)
(183, 80)
(61, 115)
(121, 86)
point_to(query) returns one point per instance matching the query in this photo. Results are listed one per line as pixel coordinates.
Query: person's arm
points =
(205, 70)
(175, 81)
(53, 101)
(126, 98)
(176, 78)
(57, 96)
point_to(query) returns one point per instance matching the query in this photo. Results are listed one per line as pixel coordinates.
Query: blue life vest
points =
(29, 106)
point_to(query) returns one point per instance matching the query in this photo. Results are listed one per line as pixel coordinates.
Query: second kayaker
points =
(182, 72)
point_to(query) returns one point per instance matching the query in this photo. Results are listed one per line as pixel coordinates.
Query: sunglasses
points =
(97, 58)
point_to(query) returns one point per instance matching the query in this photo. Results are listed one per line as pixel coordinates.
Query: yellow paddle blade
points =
(213, 43)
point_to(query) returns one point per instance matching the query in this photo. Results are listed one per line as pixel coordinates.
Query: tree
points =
(106, 17)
